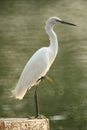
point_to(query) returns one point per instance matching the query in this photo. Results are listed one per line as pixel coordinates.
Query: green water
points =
(21, 34)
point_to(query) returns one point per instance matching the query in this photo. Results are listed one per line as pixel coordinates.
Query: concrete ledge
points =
(24, 124)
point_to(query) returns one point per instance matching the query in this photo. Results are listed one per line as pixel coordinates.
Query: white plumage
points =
(40, 62)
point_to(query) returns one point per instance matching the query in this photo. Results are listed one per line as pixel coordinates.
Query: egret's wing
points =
(36, 67)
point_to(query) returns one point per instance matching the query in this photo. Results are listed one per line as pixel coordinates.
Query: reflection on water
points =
(57, 118)
(21, 34)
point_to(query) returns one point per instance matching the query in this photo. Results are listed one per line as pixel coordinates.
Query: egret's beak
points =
(64, 22)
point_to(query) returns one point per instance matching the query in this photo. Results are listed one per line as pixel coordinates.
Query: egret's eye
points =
(56, 20)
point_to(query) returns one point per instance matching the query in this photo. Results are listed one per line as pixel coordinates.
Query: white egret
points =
(39, 64)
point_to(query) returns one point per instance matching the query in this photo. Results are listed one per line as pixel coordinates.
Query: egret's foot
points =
(48, 78)
(45, 77)
(40, 79)
(40, 117)
(37, 117)
(34, 117)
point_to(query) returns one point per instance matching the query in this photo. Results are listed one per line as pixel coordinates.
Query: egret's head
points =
(53, 20)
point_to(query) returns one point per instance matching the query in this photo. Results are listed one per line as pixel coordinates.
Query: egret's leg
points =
(36, 102)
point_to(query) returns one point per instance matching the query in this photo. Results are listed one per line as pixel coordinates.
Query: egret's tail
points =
(19, 92)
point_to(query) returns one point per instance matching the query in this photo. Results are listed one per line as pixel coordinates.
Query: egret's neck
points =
(53, 38)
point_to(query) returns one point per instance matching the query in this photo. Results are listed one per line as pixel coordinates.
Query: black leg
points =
(36, 102)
